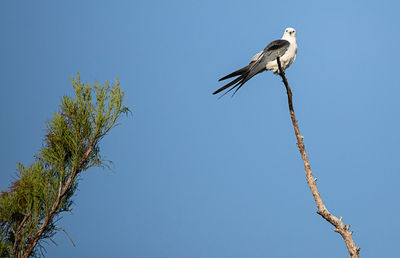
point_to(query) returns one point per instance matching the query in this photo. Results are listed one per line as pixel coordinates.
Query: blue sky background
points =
(199, 177)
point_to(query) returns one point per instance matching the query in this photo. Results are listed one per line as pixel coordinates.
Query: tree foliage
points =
(32, 205)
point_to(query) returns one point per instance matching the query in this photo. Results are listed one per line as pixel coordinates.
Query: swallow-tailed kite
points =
(285, 48)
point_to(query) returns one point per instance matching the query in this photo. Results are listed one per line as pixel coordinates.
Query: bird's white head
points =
(289, 34)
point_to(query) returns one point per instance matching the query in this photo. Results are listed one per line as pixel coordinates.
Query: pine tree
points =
(32, 205)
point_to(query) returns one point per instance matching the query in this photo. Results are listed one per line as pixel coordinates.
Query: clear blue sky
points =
(199, 177)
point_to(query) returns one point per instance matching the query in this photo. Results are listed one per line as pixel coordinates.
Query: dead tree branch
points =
(340, 227)
(72, 241)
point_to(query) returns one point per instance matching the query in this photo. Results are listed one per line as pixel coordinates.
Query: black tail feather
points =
(226, 92)
(237, 83)
(246, 73)
(228, 85)
(242, 82)
(236, 73)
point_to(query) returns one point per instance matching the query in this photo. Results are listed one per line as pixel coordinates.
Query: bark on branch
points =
(17, 234)
(61, 192)
(340, 227)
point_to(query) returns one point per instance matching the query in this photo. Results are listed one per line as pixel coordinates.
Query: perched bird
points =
(285, 48)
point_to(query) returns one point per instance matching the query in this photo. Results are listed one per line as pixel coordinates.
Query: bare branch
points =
(340, 227)
(66, 234)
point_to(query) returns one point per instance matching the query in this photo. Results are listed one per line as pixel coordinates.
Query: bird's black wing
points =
(277, 45)
(275, 48)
